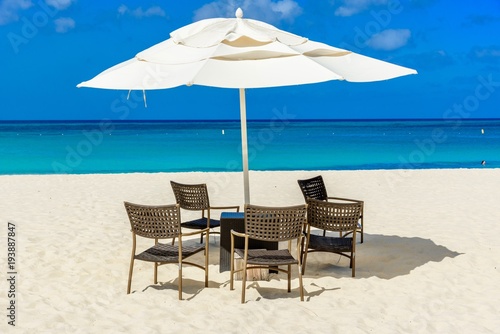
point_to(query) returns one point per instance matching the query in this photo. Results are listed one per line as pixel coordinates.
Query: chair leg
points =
(206, 261)
(156, 273)
(180, 281)
(362, 229)
(304, 261)
(132, 258)
(244, 280)
(301, 285)
(289, 273)
(353, 263)
(301, 253)
(231, 268)
(231, 278)
(299, 268)
(130, 274)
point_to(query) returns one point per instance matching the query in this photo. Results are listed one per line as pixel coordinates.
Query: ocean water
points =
(174, 146)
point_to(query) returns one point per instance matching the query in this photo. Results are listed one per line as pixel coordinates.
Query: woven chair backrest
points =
(191, 196)
(161, 222)
(333, 216)
(274, 224)
(313, 188)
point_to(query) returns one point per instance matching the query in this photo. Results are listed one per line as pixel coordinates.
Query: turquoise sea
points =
(174, 146)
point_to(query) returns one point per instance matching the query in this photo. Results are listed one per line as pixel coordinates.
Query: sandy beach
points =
(429, 263)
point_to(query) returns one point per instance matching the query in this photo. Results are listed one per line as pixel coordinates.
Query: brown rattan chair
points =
(315, 188)
(194, 197)
(336, 217)
(163, 222)
(275, 225)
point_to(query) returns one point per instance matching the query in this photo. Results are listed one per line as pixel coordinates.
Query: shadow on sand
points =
(383, 256)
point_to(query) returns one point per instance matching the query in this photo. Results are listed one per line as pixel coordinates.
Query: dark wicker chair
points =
(194, 197)
(275, 225)
(315, 188)
(163, 222)
(336, 217)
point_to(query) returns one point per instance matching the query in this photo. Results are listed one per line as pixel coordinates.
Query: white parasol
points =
(240, 53)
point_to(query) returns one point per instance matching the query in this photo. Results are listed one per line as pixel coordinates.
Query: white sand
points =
(429, 263)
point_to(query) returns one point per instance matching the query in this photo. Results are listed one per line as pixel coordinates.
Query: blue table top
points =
(229, 215)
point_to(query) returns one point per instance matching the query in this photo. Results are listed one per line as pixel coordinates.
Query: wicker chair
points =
(315, 188)
(194, 197)
(275, 225)
(336, 217)
(162, 222)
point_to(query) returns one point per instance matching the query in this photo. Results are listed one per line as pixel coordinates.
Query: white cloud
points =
(216, 9)
(288, 9)
(59, 4)
(351, 7)
(9, 9)
(64, 24)
(140, 13)
(389, 39)
(266, 10)
(122, 10)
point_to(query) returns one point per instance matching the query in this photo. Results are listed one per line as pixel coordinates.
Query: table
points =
(236, 221)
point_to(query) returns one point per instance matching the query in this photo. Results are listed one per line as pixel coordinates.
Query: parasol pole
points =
(244, 145)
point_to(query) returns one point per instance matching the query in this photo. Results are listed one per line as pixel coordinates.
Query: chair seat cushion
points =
(330, 244)
(168, 253)
(277, 257)
(201, 223)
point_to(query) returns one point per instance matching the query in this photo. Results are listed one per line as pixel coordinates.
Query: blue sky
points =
(47, 47)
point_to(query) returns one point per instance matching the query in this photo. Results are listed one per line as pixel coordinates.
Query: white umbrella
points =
(240, 53)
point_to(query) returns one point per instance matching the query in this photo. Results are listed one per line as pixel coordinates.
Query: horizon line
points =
(248, 120)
